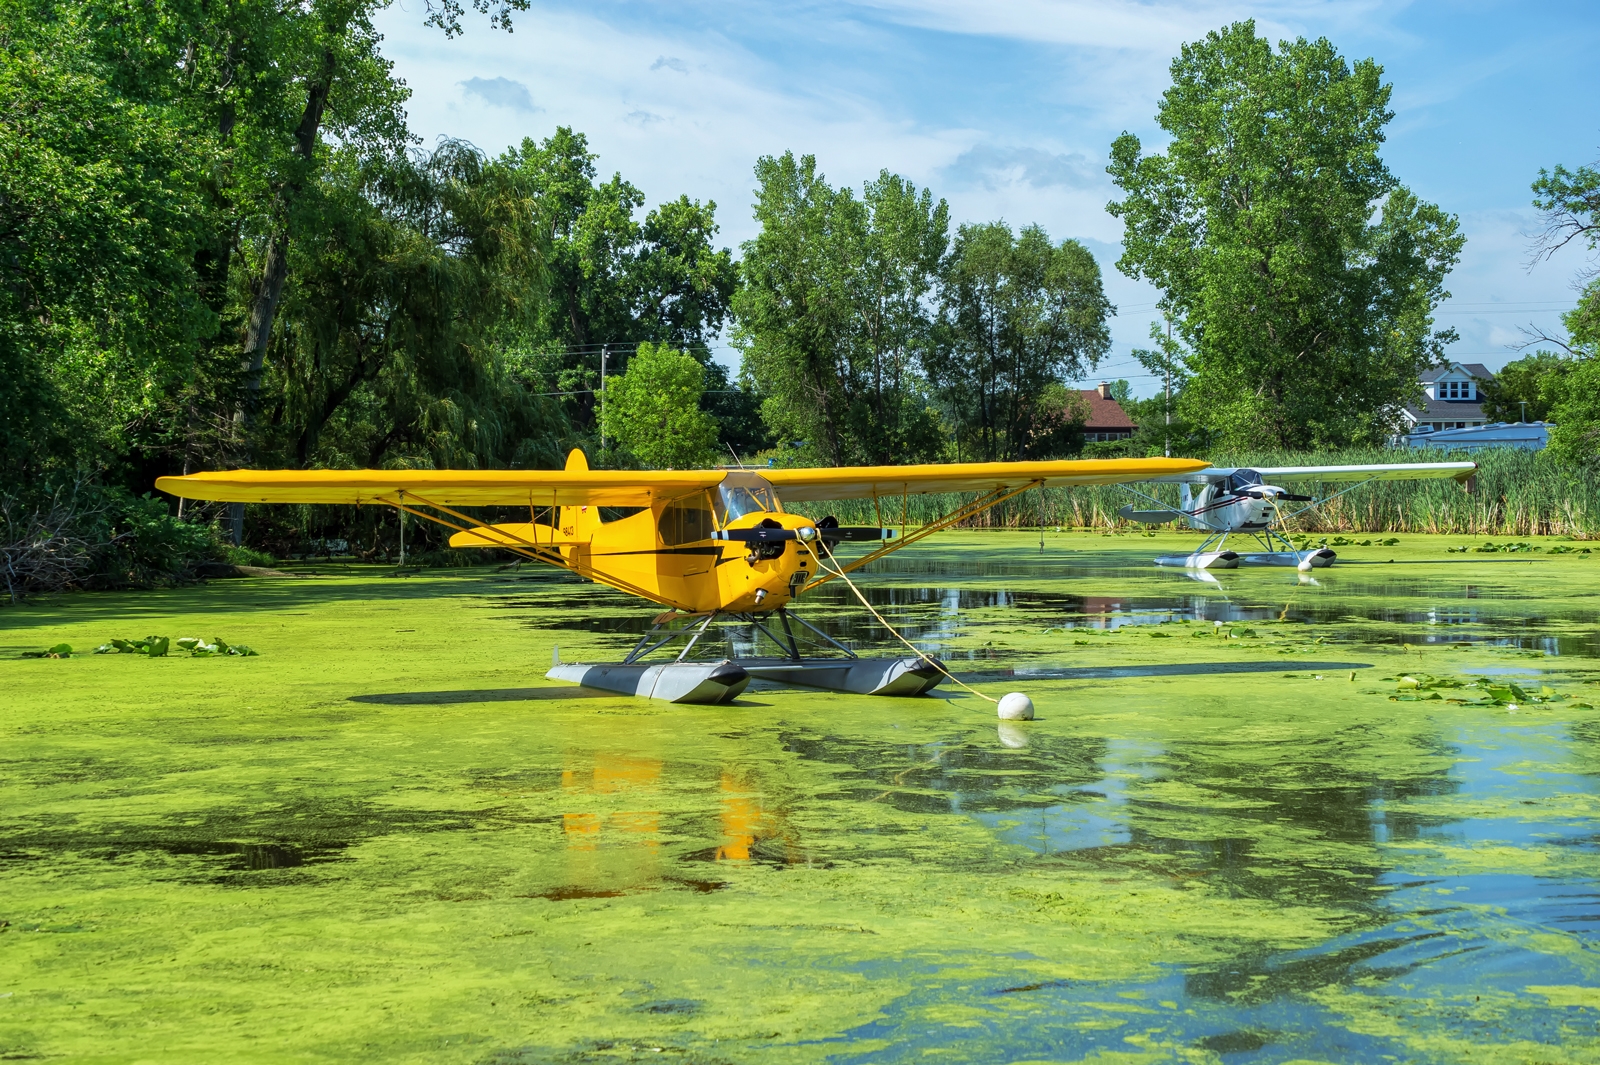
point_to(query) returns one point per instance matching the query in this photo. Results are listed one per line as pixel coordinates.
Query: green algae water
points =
(1261, 818)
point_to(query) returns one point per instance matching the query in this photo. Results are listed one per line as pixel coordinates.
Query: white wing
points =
(1389, 471)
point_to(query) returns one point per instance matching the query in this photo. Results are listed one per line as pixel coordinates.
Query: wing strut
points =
(516, 544)
(960, 514)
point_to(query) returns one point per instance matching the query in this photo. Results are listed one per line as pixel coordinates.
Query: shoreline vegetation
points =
(87, 542)
(1515, 493)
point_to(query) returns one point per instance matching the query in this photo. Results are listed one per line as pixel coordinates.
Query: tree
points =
(1018, 314)
(1527, 389)
(1301, 275)
(836, 310)
(100, 217)
(653, 410)
(615, 282)
(394, 341)
(1569, 388)
(1570, 203)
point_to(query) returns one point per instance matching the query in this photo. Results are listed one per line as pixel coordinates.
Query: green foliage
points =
(614, 282)
(1307, 322)
(94, 537)
(653, 410)
(248, 556)
(100, 216)
(833, 314)
(161, 647)
(1526, 389)
(1570, 203)
(397, 342)
(1018, 313)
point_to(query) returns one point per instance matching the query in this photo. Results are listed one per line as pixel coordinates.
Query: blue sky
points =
(1007, 109)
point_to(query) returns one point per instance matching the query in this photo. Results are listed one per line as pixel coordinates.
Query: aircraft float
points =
(710, 545)
(1240, 500)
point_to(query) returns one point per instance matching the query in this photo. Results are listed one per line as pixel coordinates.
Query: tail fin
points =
(579, 523)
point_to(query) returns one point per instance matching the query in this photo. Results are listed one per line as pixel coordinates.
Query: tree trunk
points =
(258, 336)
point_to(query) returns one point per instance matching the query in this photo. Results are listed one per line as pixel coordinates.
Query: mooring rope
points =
(838, 571)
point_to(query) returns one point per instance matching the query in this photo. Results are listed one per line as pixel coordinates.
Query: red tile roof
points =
(1104, 414)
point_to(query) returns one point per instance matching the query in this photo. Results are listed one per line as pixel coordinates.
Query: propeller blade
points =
(854, 534)
(757, 535)
(828, 534)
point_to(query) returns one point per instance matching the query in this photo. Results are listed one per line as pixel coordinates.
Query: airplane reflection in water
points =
(620, 811)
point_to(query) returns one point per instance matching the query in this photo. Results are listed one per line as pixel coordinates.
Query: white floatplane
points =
(1227, 501)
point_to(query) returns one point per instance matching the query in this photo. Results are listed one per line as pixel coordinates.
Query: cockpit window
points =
(1243, 479)
(743, 493)
(685, 522)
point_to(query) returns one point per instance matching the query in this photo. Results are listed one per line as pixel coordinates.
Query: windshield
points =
(1243, 479)
(743, 493)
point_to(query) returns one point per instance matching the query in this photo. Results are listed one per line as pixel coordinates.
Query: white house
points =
(1452, 400)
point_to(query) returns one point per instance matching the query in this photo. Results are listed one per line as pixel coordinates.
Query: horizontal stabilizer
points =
(1150, 517)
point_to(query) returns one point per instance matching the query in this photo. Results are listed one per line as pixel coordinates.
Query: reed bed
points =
(1515, 493)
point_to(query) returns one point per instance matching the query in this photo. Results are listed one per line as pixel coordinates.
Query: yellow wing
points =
(579, 486)
(575, 486)
(865, 482)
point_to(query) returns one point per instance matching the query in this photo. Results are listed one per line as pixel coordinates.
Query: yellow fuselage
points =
(668, 553)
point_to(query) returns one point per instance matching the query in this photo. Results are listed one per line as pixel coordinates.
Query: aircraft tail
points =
(578, 523)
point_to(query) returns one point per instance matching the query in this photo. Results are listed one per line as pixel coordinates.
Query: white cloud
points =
(500, 92)
(992, 166)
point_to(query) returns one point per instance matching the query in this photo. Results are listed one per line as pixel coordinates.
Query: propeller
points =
(766, 539)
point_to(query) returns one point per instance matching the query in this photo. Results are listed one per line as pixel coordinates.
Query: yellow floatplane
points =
(711, 545)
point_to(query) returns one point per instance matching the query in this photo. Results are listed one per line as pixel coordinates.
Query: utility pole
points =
(1166, 448)
(605, 349)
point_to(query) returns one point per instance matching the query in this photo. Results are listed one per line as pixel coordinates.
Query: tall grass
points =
(1515, 493)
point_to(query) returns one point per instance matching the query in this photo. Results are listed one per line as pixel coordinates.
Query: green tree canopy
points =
(1527, 389)
(653, 410)
(1019, 313)
(1570, 203)
(616, 281)
(1301, 275)
(836, 311)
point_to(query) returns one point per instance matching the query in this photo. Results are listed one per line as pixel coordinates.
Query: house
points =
(1105, 419)
(1451, 399)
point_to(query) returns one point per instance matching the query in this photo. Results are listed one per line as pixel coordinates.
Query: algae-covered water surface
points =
(1261, 818)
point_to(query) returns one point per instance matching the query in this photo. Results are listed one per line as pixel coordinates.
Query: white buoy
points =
(1015, 706)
